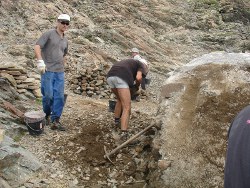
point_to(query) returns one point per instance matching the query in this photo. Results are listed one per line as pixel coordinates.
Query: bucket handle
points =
(32, 128)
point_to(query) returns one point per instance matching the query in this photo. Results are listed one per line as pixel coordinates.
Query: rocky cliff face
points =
(169, 34)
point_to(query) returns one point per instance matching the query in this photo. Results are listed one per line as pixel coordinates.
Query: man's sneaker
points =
(54, 126)
(60, 127)
(57, 125)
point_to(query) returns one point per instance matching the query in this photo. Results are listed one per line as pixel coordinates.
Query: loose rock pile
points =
(90, 82)
(22, 80)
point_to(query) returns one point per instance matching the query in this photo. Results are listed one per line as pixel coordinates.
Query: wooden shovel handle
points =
(128, 141)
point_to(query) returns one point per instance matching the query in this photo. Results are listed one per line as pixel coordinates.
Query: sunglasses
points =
(64, 23)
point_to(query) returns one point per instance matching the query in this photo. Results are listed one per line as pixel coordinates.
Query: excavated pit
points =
(80, 150)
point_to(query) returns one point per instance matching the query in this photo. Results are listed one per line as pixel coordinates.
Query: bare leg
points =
(125, 100)
(118, 106)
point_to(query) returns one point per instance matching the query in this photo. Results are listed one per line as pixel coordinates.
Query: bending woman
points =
(122, 76)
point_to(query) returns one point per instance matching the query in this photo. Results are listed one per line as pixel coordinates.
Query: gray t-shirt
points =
(54, 48)
(237, 167)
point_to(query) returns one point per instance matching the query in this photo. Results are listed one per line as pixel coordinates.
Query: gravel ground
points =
(89, 128)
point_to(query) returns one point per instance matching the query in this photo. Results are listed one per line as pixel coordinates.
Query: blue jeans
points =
(52, 88)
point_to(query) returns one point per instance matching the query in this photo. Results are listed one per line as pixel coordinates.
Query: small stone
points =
(96, 169)
(119, 156)
(86, 178)
(53, 176)
(163, 164)
(75, 182)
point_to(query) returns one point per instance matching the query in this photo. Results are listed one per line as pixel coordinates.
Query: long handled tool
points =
(107, 155)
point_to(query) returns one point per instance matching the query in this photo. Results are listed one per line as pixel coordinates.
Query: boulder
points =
(17, 165)
(209, 91)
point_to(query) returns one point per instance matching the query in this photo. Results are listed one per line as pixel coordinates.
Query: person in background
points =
(237, 165)
(136, 55)
(50, 51)
(122, 76)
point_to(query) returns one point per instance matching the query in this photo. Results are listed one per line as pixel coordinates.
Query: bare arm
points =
(138, 78)
(37, 50)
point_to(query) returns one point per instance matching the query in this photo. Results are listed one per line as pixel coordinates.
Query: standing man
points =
(237, 166)
(50, 51)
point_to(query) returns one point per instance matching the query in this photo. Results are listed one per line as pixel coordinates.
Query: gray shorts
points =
(116, 82)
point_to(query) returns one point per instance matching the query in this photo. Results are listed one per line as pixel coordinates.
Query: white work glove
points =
(41, 66)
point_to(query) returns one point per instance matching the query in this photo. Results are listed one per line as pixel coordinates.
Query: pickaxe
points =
(107, 155)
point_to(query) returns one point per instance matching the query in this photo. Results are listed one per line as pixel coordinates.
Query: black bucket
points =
(35, 122)
(36, 128)
(112, 104)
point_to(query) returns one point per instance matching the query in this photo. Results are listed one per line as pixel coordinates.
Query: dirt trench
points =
(80, 150)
